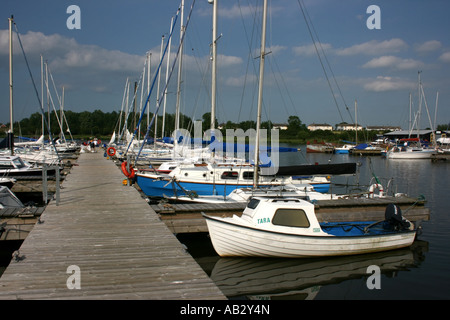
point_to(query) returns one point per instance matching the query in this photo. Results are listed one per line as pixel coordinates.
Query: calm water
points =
(419, 272)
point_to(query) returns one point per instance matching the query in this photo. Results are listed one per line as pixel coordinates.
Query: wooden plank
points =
(123, 249)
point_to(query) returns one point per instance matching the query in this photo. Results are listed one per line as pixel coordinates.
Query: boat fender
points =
(376, 186)
(127, 174)
(111, 151)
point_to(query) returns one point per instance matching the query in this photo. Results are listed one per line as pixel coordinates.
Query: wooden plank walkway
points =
(121, 247)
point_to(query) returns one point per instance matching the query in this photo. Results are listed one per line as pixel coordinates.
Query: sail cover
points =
(316, 169)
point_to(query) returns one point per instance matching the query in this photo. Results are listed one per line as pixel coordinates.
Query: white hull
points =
(231, 239)
(243, 195)
(422, 154)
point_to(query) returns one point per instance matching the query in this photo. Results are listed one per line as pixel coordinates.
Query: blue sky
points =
(377, 68)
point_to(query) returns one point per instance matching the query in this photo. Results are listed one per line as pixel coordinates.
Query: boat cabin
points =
(288, 215)
(216, 173)
(11, 162)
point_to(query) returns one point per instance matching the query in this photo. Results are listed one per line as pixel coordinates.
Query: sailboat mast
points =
(42, 96)
(157, 91)
(214, 65)
(167, 80)
(420, 107)
(182, 28)
(11, 123)
(61, 115)
(149, 62)
(260, 93)
(410, 110)
(356, 122)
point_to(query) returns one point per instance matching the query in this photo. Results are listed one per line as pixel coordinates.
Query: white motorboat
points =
(283, 227)
(410, 153)
(345, 149)
(9, 199)
(243, 195)
(7, 182)
(37, 156)
(15, 167)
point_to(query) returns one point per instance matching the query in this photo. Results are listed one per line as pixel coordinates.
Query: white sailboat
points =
(410, 152)
(11, 165)
(217, 177)
(412, 148)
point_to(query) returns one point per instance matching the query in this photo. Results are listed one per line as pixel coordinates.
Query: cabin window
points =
(291, 218)
(230, 175)
(18, 163)
(247, 175)
(253, 203)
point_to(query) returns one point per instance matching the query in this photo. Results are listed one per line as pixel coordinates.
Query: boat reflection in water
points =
(285, 279)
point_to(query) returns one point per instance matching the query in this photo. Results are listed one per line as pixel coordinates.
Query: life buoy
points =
(111, 151)
(125, 171)
(374, 187)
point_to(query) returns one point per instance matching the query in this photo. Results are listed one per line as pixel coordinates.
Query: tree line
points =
(97, 123)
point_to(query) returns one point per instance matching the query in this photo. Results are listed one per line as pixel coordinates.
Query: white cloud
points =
(228, 61)
(65, 54)
(382, 84)
(445, 57)
(276, 49)
(97, 58)
(429, 46)
(393, 62)
(310, 49)
(237, 11)
(374, 47)
(241, 80)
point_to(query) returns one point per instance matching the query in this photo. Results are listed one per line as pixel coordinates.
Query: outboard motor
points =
(394, 219)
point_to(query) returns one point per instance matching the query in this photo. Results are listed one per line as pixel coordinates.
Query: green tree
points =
(206, 121)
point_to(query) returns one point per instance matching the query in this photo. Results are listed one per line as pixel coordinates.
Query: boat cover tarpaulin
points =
(8, 142)
(316, 169)
(361, 146)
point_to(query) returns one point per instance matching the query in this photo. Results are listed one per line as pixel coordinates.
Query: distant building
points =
(320, 126)
(383, 128)
(344, 126)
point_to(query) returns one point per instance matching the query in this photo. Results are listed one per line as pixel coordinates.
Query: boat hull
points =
(341, 151)
(33, 173)
(231, 239)
(158, 187)
(428, 154)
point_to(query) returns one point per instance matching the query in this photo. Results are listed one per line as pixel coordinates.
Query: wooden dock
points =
(187, 218)
(103, 241)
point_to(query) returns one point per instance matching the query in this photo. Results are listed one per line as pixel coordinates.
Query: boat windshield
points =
(291, 218)
(253, 203)
(18, 163)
